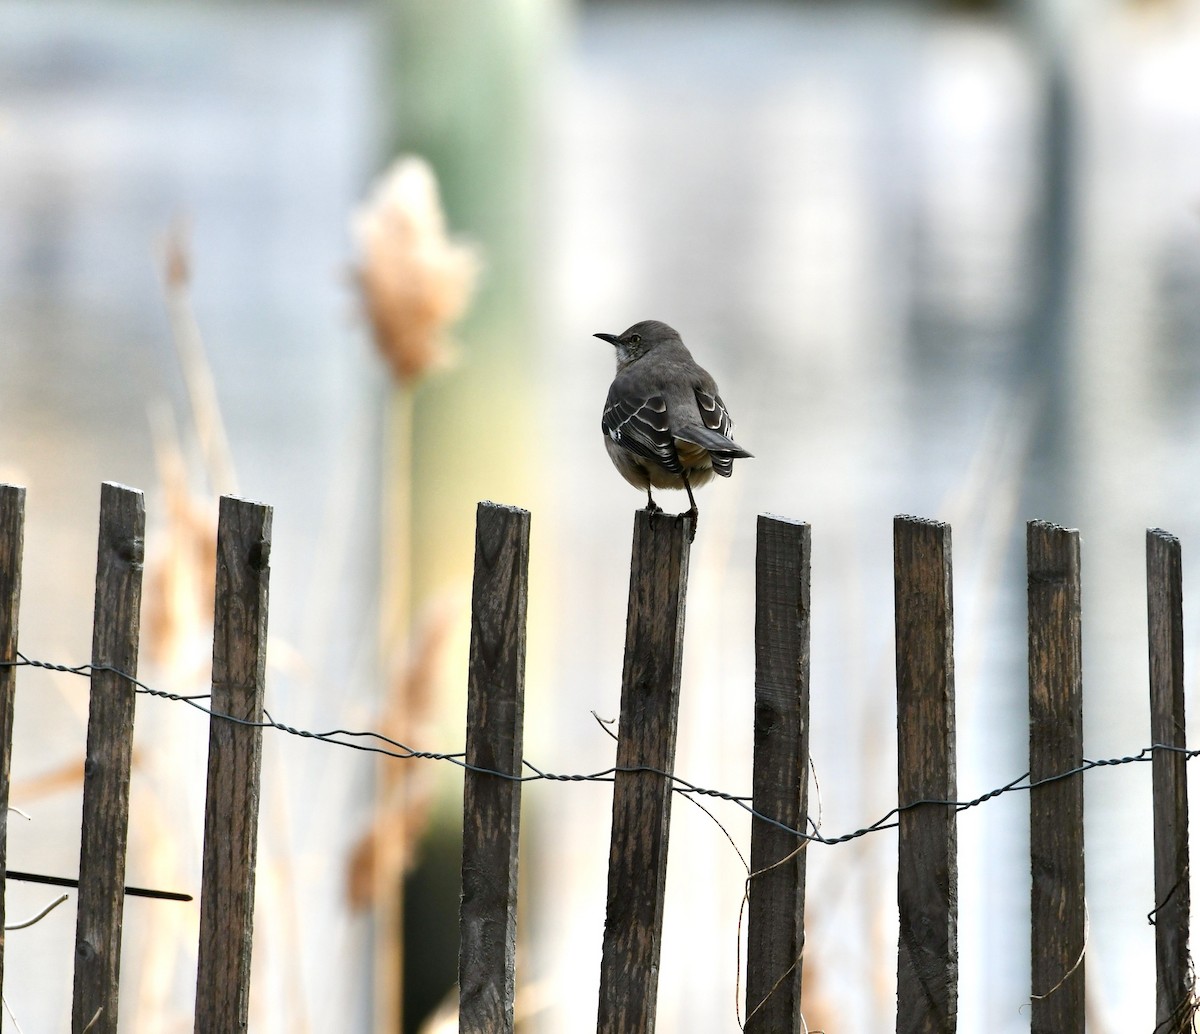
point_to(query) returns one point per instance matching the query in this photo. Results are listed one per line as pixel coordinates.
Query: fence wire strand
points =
(370, 741)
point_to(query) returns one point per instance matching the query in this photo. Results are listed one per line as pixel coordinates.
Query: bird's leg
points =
(651, 506)
(694, 512)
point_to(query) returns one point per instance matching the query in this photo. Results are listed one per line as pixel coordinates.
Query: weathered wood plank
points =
(234, 766)
(491, 803)
(1172, 891)
(115, 634)
(775, 925)
(927, 866)
(637, 865)
(12, 537)
(1056, 806)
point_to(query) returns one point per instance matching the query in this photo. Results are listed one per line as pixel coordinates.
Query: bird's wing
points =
(713, 412)
(714, 432)
(641, 426)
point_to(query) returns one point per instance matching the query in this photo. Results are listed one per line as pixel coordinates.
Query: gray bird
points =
(664, 424)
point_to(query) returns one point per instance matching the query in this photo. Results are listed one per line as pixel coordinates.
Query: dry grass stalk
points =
(193, 360)
(164, 940)
(181, 568)
(65, 777)
(68, 776)
(386, 851)
(818, 1013)
(416, 282)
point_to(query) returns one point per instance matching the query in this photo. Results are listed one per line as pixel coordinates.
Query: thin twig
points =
(1078, 962)
(40, 916)
(11, 1015)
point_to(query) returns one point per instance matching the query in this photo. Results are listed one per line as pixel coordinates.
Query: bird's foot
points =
(694, 514)
(653, 508)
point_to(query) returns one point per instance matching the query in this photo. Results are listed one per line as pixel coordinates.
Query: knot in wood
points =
(1048, 576)
(259, 558)
(766, 721)
(131, 549)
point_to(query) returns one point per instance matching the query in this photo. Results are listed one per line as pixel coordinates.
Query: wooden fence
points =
(927, 874)
(927, 871)
(234, 752)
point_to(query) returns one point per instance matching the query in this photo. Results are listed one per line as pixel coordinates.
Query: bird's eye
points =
(635, 339)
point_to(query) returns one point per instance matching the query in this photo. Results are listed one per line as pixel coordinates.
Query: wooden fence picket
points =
(105, 827)
(1059, 920)
(1172, 891)
(491, 803)
(12, 532)
(234, 767)
(637, 866)
(775, 926)
(927, 862)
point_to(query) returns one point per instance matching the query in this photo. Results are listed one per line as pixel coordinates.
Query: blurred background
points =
(943, 258)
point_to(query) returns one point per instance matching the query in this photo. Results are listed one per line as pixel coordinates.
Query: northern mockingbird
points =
(664, 424)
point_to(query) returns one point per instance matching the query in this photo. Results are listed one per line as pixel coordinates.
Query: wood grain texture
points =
(12, 536)
(637, 865)
(115, 632)
(782, 634)
(1055, 808)
(1172, 892)
(492, 804)
(234, 765)
(927, 865)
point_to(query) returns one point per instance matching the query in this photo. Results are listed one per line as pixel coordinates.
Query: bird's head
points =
(638, 340)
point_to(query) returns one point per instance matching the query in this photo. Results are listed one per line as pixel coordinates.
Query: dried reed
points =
(416, 282)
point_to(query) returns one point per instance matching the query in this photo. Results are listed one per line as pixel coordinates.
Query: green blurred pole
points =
(463, 83)
(463, 92)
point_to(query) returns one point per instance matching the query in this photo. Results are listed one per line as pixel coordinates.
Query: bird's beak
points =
(612, 339)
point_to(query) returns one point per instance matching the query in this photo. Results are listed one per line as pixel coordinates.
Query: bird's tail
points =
(714, 442)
